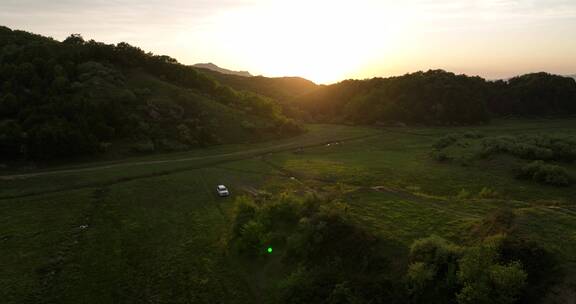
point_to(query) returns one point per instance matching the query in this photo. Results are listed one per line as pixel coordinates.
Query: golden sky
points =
(325, 41)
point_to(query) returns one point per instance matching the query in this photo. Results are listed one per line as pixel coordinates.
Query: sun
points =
(319, 40)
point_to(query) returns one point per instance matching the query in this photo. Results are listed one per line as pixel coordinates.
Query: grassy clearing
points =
(32, 234)
(155, 230)
(402, 161)
(161, 245)
(155, 239)
(101, 174)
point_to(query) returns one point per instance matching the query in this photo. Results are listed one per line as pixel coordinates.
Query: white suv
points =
(222, 190)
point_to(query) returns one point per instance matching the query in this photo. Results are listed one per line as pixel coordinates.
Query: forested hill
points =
(282, 89)
(438, 97)
(77, 97)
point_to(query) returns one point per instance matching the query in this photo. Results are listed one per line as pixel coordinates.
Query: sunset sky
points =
(325, 41)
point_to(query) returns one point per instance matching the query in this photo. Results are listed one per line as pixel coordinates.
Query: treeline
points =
(76, 97)
(437, 97)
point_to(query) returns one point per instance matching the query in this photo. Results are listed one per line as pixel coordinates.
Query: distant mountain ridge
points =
(213, 67)
(279, 88)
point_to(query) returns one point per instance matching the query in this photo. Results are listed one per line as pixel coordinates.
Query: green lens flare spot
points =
(269, 250)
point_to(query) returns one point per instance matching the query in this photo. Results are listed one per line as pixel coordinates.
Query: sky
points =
(324, 41)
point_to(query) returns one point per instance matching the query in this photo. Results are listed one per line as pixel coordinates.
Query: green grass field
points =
(151, 229)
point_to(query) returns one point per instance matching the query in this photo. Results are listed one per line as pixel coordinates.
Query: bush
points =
(431, 275)
(473, 134)
(539, 264)
(445, 141)
(289, 127)
(488, 193)
(486, 279)
(337, 261)
(499, 269)
(534, 147)
(440, 156)
(536, 261)
(244, 211)
(500, 221)
(143, 147)
(543, 173)
(463, 194)
(306, 286)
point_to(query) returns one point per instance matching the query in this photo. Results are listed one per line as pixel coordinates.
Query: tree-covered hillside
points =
(438, 97)
(282, 89)
(77, 97)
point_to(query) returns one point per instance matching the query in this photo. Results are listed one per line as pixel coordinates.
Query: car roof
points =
(221, 186)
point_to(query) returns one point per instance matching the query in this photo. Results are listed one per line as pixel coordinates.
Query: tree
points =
(432, 272)
(9, 105)
(74, 39)
(485, 280)
(11, 139)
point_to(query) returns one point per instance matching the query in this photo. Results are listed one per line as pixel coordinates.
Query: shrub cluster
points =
(445, 141)
(464, 149)
(442, 153)
(441, 272)
(329, 259)
(440, 156)
(456, 138)
(501, 268)
(545, 174)
(533, 147)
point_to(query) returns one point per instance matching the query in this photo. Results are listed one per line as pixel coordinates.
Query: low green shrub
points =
(538, 263)
(499, 221)
(488, 193)
(463, 194)
(442, 272)
(473, 134)
(534, 147)
(431, 275)
(440, 156)
(445, 141)
(543, 173)
(143, 147)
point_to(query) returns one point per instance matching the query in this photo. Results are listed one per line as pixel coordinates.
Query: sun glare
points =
(322, 41)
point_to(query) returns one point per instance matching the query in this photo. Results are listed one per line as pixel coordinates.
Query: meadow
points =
(152, 230)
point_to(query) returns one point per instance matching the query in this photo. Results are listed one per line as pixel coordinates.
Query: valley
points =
(152, 228)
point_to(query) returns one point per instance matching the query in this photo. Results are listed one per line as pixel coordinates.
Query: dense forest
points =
(77, 97)
(437, 97)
